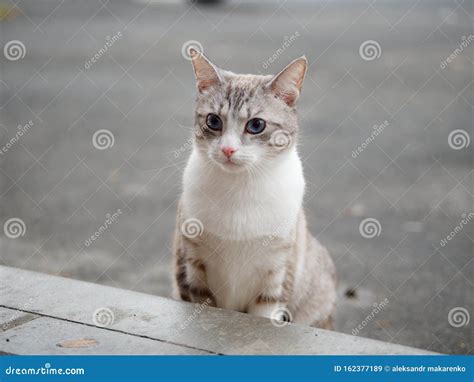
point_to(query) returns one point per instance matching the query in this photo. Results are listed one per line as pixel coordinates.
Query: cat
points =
(241, 240)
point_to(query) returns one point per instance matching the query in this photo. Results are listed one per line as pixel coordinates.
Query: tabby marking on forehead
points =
(238, 97)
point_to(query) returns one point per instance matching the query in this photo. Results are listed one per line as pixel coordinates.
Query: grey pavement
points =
(118, 321)
(414, 177)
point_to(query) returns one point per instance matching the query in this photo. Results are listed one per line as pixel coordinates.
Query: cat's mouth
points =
(234, 164)
(230, 165)
(230, 162)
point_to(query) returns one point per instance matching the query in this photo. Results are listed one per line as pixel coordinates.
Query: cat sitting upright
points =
(241, 240)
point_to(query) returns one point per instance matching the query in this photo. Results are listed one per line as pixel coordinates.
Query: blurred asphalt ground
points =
(142, 89)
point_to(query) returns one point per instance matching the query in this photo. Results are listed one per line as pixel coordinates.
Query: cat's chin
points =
(231, 167)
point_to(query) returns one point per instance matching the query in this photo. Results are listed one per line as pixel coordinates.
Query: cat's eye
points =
(214, 122)
(255, 126)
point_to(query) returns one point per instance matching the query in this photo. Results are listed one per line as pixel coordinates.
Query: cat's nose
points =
(228, 151)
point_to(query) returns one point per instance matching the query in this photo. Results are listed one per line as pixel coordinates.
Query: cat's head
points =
(244, 121)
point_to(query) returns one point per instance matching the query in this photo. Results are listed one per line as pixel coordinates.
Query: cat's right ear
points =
(207, 75)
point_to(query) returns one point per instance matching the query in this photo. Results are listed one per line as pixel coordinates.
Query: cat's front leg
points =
(191, 278)
(271, 302)
(269, 308)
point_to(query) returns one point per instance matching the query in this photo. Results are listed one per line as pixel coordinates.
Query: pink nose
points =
(228, 151)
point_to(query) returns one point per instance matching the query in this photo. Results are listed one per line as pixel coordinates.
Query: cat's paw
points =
(281, 315)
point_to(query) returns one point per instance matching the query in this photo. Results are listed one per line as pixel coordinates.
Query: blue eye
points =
(255, 126)
(214, 122)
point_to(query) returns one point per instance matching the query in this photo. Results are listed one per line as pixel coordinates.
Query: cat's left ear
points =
(206, 72)
(287, 84)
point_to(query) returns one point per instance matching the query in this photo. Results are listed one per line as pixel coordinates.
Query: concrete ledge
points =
(43, 314)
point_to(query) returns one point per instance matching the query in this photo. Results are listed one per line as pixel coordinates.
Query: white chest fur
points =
(242, 207)
(240, 214)
(236, 270)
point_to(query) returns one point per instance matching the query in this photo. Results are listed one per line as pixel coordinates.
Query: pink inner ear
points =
(298, 82)
(288, 84)
(206, 75)
(287, 92)
(288, 96)
(205, 83)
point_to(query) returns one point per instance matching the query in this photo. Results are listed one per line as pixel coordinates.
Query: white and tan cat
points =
(241, 238)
